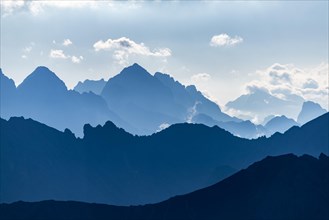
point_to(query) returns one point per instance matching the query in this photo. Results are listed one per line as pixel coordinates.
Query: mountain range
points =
(135, 100)
(282, 187)
(109, 165)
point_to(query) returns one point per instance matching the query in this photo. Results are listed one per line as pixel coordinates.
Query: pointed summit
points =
(42, 79)
(136, 70)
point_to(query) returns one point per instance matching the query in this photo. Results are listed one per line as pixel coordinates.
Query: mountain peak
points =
(44, 79)
(310, 110)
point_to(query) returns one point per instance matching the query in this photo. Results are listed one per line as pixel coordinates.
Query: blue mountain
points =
(309, 111)
(147, 101)
(7, 96)
(279, 124)
(282, 187)
(112, 166)
(245, 129)
(95, 86)
(261, 104)
(44, 97)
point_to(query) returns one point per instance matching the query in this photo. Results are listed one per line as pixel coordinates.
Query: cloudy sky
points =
(225, 48)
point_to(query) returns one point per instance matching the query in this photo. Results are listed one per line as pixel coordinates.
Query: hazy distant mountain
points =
(267, 119)
(147, 101)
(193, 100)
(44, 97)
(282, 187)
(261, 104)
(244, 129)
(7, 96)
(279, 124)
(111, 166)
(310, 110)
(95, 86)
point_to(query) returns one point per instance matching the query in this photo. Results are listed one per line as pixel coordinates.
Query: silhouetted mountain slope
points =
(7, 95)
(279, 124)
(244, 129)
(310, 110)
(112, 166)
(95, 86)
(44, 97)
(189, 97)
(282, 187)
(148, 102)
(261, 103)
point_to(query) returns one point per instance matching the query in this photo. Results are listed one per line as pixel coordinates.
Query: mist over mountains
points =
(136, 101)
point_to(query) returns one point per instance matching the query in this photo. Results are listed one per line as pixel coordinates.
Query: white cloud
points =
(163, 126)
(200, 77)
(76, 59)
(67, 42)
(192, 111)
(123, 47)
(27, 50)
(288, 82)
(225, 40)
(58, 54)
(36, 7)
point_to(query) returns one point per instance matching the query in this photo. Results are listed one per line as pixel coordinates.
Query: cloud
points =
(225, 40)
(124, 47)
(67, 42)
(58, 54)
(200, 77)
(289, 82)
(76, 59)
(27, 50)
(192, 111)
(36, 7)
(163, 126)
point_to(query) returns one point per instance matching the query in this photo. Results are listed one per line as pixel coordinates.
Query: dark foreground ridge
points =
(281, 187)
(114, 167)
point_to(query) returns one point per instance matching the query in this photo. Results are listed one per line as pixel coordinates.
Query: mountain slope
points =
(95, 86)
(116, 167)
(310, 110)
(261, 103)
(282, 187)
(148, 102)
(44, 97)
(279, 124)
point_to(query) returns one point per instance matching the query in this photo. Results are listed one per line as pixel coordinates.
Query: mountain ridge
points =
(295, 183)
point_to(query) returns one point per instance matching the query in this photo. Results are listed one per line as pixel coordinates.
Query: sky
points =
(224, 48)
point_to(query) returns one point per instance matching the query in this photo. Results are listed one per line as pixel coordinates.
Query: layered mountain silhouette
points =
(310, 110)
(261, 104)
(95, 86)
(147, 101)
(279, 124)
(44, 97)
(134, 100)
(282, 187)
(112, 166)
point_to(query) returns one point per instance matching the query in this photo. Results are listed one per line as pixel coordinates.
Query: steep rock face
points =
(282, 187)
(310, 110)
(112, 166)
